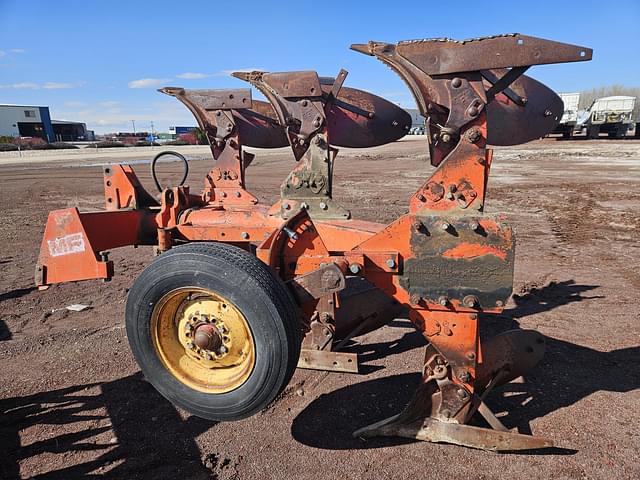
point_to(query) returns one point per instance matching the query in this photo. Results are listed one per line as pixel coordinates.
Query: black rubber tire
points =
(254, 289)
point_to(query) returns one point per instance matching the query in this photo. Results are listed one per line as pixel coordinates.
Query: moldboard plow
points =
(241, 293)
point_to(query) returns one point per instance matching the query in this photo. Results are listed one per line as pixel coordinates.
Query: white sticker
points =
(66, 245)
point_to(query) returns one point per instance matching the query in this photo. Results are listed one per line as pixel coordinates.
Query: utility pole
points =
(151, 127)
(133, 122)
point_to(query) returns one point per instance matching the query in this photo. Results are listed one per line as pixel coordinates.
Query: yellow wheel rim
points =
(203, 340)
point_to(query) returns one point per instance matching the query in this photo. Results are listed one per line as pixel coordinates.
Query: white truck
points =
(569, 118)
(610, 115)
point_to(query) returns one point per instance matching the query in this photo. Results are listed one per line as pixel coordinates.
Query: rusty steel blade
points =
(256, 121)
(540, 114)
(258, 126)
(359, 119)
(509, 355)
(432, 430)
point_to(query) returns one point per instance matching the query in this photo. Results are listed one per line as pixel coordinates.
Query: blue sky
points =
(84, 59)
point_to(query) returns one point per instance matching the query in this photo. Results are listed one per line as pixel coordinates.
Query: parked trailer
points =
(569, 118)
(610, 115)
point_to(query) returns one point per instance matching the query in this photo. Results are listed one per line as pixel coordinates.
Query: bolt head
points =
(446, 138)
(462, 394)
(474, 226)
(286, 206)
(421, 197)
(354, 268)
(444, 301)
(323, 205)
(445, 226)
(391, 263)
(244, 235)
(456, 82)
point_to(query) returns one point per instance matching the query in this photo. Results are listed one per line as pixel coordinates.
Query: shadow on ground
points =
(5, 333)
(146, 438)
(568, 373)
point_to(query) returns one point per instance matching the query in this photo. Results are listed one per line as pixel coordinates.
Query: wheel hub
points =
(207, 337)
(203, 340)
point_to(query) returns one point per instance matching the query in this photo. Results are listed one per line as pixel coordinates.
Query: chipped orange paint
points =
(474, 250)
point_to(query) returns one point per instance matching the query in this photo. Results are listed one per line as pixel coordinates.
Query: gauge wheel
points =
(214, 330)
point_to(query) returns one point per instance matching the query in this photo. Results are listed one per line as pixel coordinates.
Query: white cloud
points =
(17, 50)
(61, 85)
(149, 82)
(46, 86)
(194, 75)
(22, 85)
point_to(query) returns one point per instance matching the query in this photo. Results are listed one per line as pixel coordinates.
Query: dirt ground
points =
(74, 405)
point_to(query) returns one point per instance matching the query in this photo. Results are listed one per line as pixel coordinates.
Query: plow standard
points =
(242, 293)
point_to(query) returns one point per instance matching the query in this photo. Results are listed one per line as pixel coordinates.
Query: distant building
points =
(35, 121)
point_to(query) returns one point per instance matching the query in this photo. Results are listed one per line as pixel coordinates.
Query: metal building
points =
(35, 121)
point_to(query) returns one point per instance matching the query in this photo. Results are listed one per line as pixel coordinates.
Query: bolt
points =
(222, 350)
(238, 194)
(415, 298)
(421, 197)
(190, 346)
(286, 206)
(462, 394)
(444, 301)
(473, 135)
(316, 123)
(456, 82)
(470, 301)
(464, 376)
(354, 268)
(323, 206)
(305, 103)
(445, 226)
(524, 100)
(223, 194)
(391, 263)
(446, 413)
(446, 138)
(471, 356)
(244, 235)
(499, 303)
(474, 226)
(208, 356)
(449, 196)
(394, 123)
(548, 113)
(417, 225)
(473, 111)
